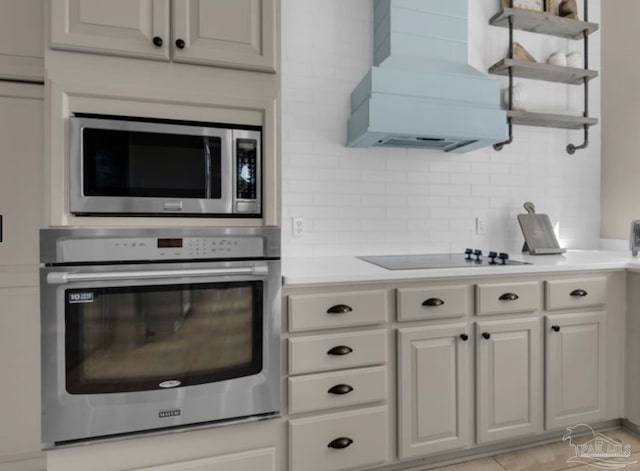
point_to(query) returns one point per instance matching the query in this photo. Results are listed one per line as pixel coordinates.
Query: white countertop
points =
(345, 269)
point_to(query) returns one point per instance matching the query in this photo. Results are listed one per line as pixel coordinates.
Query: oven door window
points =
(144, 164)
(124, 339)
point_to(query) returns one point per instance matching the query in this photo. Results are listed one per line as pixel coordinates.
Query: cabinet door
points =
(227, 33)
(433, 383)
(22, 40)
(509, 379)
(138, 28)
(575, 371)
(20, 369)
(21, 161)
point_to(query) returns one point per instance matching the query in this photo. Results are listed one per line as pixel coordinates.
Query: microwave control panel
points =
(147, 248)
(246, 169)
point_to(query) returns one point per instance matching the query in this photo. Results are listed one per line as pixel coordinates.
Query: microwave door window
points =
(144, 338)
(142, 164)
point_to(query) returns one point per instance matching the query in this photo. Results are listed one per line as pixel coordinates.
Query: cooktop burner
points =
(470, 258)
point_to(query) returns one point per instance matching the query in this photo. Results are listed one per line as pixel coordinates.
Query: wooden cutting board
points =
(539, 238)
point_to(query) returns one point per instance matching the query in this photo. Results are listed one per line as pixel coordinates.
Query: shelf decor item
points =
(545, 6)
(568, 9)
(521, 54)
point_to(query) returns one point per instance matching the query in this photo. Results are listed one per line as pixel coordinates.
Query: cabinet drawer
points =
(315, 442)
(264, 460)
(333, 310)
(498, 298)
(337, 389)
(433, 303)
(333, 352)
(575, 293)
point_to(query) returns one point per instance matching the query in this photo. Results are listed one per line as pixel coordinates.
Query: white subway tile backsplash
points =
(395, 200)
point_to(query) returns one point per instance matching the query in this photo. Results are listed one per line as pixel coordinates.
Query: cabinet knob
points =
(464, 337)
(340, 350)
(555, 328)
(157, 41)
(340, 443)
(486, 335)
(509, 297)
(180, 44)
(580, 293)
(340, 389)
(433, 302)
(339, 309)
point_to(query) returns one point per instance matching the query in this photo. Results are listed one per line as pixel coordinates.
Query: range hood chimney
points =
(421, 92)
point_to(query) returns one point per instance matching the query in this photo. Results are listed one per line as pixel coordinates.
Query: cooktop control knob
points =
(468, 252)
(478, 254)
(503, 257)
(492, 256)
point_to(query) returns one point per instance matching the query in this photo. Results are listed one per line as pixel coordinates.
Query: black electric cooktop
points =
(471, 258)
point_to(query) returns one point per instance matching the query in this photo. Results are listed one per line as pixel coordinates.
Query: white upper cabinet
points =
(22, 40)
(227, 33)
(138, 28)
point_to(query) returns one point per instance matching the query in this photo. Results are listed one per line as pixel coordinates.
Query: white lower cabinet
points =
(575, 369)
(508, 379)
(345, 440)
(433, 389)
(263, 460)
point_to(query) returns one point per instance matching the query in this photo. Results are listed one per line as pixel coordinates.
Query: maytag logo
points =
(169, 413)
(80, 298)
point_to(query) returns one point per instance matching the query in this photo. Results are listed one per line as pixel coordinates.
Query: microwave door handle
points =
(59, 278)
(207, 168)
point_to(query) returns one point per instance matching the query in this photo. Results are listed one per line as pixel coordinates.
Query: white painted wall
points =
(357, 201)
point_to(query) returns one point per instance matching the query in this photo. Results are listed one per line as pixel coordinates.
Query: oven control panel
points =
(154, 248)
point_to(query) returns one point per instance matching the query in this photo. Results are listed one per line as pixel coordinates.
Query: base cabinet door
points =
(508, 379)
(434, 395)
(575, 369)
(137, 28)
(227, 33)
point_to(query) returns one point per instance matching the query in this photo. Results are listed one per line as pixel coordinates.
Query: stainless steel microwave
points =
(148, 167)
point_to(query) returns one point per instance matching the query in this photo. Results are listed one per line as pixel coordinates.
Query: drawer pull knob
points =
(340, 389)
(157, 41)
(509, 297)
(340, 443)
(433, 302)
(180, 44)
(579, 293)
(555, 328)
(339, 309)
(464, 337)
(486, 335)
(340, 350)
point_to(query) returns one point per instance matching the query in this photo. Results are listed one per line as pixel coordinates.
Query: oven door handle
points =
(60, 278)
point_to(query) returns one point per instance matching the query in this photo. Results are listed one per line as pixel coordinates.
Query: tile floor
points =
(553, 457)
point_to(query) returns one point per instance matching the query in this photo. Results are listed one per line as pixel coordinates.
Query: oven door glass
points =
(129, 163)
(121, 339)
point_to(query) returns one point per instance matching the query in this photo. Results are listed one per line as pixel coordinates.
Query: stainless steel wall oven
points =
(146, 329)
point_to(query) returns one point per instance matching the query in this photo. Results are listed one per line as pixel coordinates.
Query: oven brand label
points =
(170, 384)
(169, 413)
(80, 298)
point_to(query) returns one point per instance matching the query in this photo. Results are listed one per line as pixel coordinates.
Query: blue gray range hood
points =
(421, 92)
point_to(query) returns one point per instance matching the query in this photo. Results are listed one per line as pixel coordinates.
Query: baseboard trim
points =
(24, 462)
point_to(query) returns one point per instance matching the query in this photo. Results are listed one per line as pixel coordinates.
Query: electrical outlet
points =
(297, 228)
(481, 226)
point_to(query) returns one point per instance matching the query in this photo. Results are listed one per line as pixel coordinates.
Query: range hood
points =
(421, 91)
